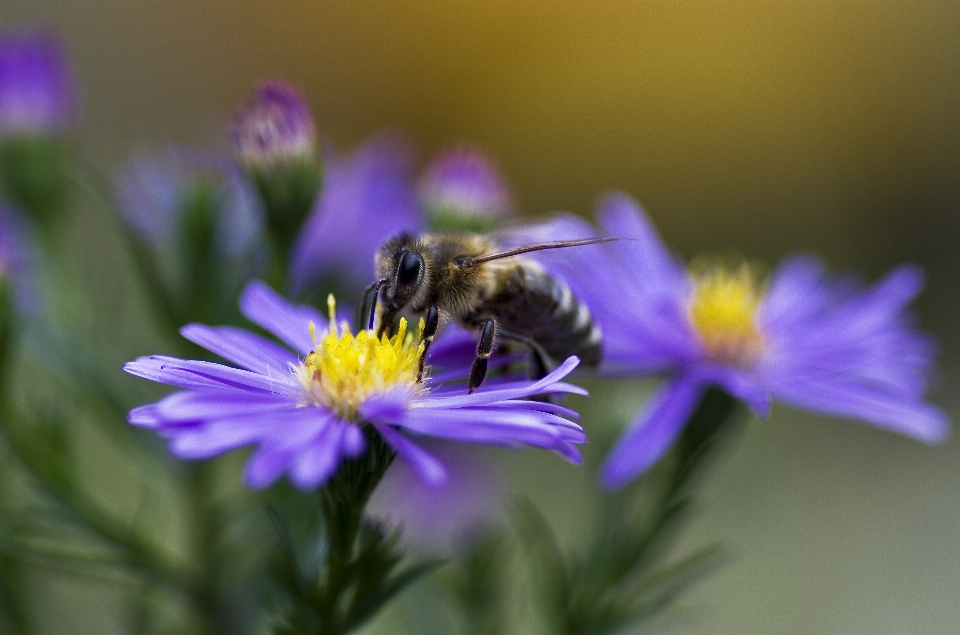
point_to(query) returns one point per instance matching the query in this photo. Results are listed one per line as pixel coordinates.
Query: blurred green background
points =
(766, 127)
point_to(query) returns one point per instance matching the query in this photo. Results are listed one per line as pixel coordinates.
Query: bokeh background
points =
(830, 126)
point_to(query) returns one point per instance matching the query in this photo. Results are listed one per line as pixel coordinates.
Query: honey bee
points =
(500, 294)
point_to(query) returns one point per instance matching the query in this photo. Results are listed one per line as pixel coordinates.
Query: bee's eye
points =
(410, 269)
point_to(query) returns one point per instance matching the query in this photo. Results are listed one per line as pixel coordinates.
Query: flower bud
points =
(275, 142)
(462, 189)
(37, 105)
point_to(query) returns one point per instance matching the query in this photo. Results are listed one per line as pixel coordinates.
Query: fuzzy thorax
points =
(345, 369)
(723, 311)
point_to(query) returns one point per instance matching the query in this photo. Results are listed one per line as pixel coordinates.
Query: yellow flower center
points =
(723, 312)
(345, 369)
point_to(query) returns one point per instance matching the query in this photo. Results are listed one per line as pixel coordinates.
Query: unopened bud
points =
(275, 142)
(37, 104)
(462, 189)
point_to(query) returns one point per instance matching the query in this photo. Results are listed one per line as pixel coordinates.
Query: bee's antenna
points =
(557, 244)
(370, 296)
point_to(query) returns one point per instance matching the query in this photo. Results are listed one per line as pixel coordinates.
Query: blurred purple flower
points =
(37, 87)
(802, 338)
(443, 519)
(151, 191)
(276, 128)
(371, 195)
(367, 197)
(463, 183)
(15, 257)
(305, 414)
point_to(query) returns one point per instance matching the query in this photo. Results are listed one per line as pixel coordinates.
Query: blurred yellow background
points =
(766, 127)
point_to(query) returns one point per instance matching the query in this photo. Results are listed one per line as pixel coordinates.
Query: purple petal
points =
(204, 375)
(423, 463)
(494, 426)
(650, 261)
(367, 197)
(387, 407)
(243, 348)
(191, 405)
(144, 416)
(210, 438)
(910, 417)
(317, 461)
(512, 390)
(652, 432)
(266, 465)
(267, 308)
(353, 442)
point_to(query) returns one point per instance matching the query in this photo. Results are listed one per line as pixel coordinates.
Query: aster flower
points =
(812, 342)
(372, 194)
(462, 189)
(37, 91)
(367, 197)
(305, 410)
(443, 519)
(152, 192)
(195, 227)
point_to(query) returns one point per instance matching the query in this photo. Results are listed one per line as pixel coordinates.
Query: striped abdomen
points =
(536, 305)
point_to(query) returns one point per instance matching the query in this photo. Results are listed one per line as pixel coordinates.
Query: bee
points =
(500, 294)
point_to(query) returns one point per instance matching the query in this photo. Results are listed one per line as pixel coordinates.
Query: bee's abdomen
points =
(544, 309)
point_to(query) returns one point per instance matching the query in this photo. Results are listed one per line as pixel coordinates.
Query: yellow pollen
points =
(345, 369)
(723, 312)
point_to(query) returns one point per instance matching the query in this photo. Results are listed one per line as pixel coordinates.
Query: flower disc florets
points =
(344, 369)
(723, 313)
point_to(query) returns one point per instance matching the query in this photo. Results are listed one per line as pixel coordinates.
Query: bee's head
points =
(402, 270)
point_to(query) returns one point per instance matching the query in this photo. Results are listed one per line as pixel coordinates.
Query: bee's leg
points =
(540, 362)
(368, 307)
(484, 349)
(430, 325)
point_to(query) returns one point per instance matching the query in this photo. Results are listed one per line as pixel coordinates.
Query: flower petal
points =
(319, 458)
(193, 406)
(243, 348)
(910, 417)
(502, 392)
(199, 375)
(652, 432)
(495, 426)
(423, 463)
(266, 465)
(650, 261)
(291, 323)
(220, 435)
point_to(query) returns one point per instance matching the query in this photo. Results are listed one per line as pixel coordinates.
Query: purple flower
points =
(37, 90)
(367, 197)
(816, 343)
(151, 192)
(371, 195)
(461, 185)
(276, 128)
(15, 260)
(443, 519)
(305, 412)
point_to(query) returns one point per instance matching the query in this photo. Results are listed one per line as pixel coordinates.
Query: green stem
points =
(138, 553)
